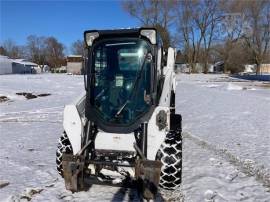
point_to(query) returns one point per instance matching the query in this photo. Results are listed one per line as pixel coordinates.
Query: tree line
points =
(236, 32)
(41, 50)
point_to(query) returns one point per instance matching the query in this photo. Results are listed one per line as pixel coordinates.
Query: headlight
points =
(90, 37)
(150, 34)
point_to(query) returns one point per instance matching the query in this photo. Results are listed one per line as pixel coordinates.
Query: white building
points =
(181, 68)
(62, 69)
(5, 65)
(74, 64)
(17, 66)
(250, 68)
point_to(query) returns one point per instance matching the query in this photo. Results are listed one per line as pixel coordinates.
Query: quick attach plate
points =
(73, 169)
(148, 174)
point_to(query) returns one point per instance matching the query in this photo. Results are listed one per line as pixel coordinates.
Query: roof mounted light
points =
(89, 37)
(150, 34)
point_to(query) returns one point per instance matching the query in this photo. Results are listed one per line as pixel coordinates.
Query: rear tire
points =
(63, 146)
(170, 154)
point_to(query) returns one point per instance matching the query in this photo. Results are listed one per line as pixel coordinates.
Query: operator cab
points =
(121, 78)
(126, 124)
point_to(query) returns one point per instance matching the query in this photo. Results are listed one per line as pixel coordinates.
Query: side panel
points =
(156, 136)
(169, 82)
(73, 127)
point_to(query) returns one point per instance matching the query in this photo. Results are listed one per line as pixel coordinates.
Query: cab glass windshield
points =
(121, 72)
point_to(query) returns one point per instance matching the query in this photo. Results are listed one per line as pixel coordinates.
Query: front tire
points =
(64, 146)
(170, 154)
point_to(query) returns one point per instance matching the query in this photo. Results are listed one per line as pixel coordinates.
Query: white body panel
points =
(73, 127)
(155, 136)
(115, 141)
(73, 123)
(169, 81)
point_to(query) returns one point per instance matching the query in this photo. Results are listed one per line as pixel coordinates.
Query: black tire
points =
(170, 154)
(63, 146)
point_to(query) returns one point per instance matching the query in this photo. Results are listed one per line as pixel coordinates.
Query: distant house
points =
(265, 69)
(22, 66)
(211, 68)
(62, 69)
(181, 68)
(42, 69)
(16, 66)
(218, 67)
(74, 64)
(198, 68)
(5, 65)
(250, 68)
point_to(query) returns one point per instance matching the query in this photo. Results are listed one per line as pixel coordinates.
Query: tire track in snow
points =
(55, 189)
(39, 115)
(49, 110)
(247, 166)
(27, 121)
(43, 117)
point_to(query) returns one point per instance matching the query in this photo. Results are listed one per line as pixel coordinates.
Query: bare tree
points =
(12, 50)
(36, 50)
(208, 26)
(54, 52)
(3, 51)
(197, 23)
(77, 48)
(231, 31)
(155, 13)
(235, 58)
(186, 30)
(257, 37)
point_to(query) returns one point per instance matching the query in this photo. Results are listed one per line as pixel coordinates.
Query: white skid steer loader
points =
(124, 131)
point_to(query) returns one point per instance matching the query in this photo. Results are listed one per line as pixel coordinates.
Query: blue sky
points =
(65, 20)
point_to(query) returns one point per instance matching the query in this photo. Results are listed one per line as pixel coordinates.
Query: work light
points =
(150, 34)
(89, 37)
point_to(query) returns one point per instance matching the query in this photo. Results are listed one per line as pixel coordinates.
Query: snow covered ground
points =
(226, 125)
(226, 151)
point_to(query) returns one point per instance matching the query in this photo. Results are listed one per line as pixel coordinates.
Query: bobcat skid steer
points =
(124, 131)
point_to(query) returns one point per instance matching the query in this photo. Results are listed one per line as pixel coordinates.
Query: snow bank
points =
(234, 87)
